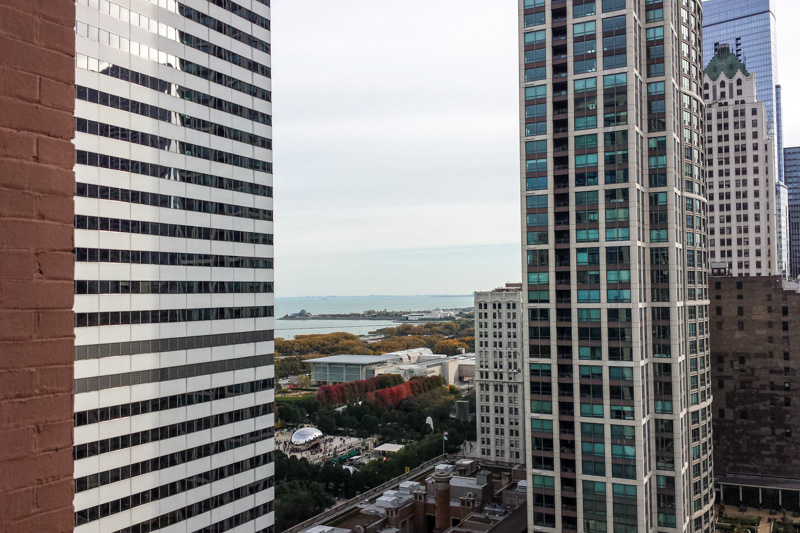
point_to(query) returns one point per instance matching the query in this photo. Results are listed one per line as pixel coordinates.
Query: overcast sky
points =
(396, 150)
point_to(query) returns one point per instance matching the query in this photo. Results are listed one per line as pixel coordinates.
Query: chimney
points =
(441, 484)
(419, 510)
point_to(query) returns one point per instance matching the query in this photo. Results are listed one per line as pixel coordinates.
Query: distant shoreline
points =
(394, 316)
(380, 296)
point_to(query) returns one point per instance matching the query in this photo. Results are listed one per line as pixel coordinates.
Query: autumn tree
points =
(449, 347)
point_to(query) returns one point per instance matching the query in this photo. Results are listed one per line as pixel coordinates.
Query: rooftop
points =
(497, 490)
(725, 62)
(355, 359)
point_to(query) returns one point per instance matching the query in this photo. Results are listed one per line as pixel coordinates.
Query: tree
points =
(449, 347)
(299, 500)
(291, 414)
(326, 422)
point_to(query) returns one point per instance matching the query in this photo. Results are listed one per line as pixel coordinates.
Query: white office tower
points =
(617, 392)
(498, 376)
(743, 209)
(174, 282)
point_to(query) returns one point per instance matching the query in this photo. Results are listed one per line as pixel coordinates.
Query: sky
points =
(396, 151)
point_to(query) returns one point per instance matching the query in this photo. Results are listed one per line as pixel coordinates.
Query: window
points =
(585, 141)
(583, 10)
(655, 88)
(585, 160)
(584, 47)
(613, 5)
(584, 28)
(656, 33)
(586, 84)
(654, 15)
(538, 91)
(585, 123)
(536, 37)
(582, 66)
(615, 24)
(534, 19)
(536, 184)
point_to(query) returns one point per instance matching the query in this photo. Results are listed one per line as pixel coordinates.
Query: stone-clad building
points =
(742, 209)
(498, 378)
(755, 357)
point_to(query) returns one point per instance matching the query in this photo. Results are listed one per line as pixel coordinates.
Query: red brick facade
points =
(37, 44)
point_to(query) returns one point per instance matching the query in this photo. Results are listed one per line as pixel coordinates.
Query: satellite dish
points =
(429, 421)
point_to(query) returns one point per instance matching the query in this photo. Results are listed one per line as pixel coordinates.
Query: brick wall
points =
(37, 46)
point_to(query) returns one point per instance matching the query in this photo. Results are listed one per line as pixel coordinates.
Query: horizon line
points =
(377, 296)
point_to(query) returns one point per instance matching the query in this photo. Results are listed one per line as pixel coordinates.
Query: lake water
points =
(288, 329)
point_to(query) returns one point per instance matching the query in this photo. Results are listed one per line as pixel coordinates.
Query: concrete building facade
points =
(37, 49)
(756, 374)
(498, 374)
(173, 267)
(741, 182)
(617, 391)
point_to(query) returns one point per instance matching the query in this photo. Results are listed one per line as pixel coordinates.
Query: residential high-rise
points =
(756, 364)
(749, 28)
(742, 209)
(173, 267)
(791, 161)
(498, 376)
(615, 287)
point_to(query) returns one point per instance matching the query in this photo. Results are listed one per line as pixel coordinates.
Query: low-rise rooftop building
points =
(449, 495)
(408, 363)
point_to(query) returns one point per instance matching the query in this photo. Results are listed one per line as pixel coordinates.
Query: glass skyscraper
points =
(791, 158)
(174, 427)
(617, 384)
(749, 28)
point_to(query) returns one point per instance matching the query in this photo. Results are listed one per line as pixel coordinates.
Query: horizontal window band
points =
(93, 159)
(226, 29)
(251, 16)
(190, 511)
(158, 375)
(243, 518)
(167, 201)
(170, 117)
(173, 344)
(165, 31)
(171, 316)
(99, 447)
(179, 91)
(175, 7)
(170, 230)
(145, 257)
(170, 489)
(172, 287)
(150, 140)
(173, 459)
(92, 64)
(165, 403)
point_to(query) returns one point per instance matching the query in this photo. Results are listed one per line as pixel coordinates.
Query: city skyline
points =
(368, 251)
